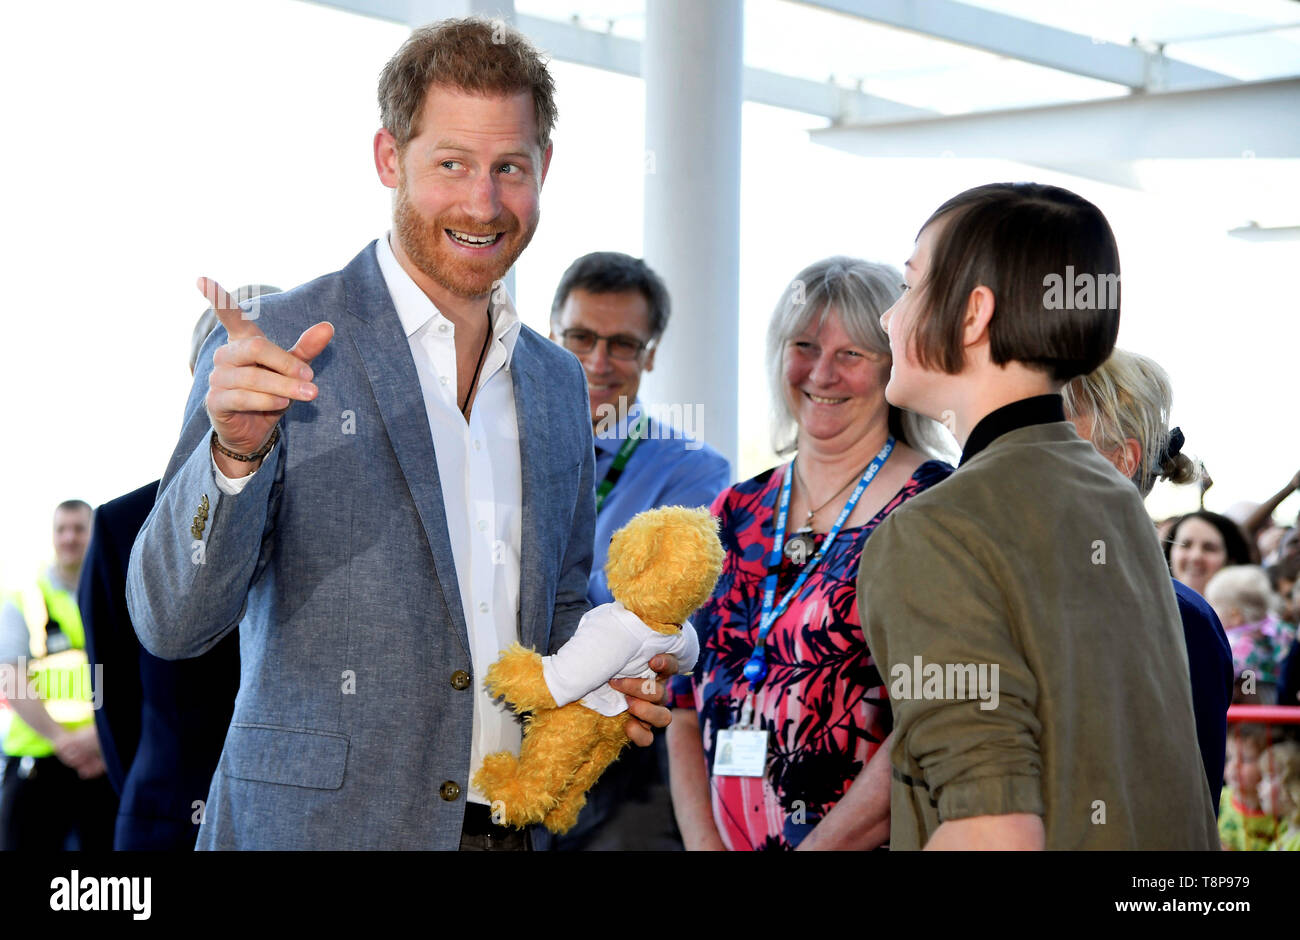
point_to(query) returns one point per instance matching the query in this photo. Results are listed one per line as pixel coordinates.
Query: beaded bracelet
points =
(247, 458)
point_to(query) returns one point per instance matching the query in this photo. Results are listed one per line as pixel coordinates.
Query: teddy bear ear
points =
(679, 530)
(636, 546)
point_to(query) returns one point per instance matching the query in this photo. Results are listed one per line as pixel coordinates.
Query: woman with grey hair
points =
(778, 738)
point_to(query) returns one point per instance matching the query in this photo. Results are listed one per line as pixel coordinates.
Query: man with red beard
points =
(383, 522)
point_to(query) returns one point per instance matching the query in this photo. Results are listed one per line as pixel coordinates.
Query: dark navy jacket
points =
(1209, 657)
(1288, 693)
(162, 723)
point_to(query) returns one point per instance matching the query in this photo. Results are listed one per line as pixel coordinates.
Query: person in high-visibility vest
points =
(53, 778)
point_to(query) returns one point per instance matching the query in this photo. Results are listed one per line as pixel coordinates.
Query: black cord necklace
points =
(482, 354)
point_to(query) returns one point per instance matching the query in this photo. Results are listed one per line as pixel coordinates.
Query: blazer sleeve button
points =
(460, 680)
(449, 791)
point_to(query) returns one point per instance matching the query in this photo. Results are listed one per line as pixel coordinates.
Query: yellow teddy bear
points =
(662, 566)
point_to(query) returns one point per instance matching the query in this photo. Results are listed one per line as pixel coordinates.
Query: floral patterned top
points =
(1260, 646)
(823, 702)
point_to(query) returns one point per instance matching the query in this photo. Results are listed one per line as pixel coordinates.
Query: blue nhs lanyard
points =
(756, 667)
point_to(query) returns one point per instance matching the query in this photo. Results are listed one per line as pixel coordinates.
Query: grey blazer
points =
(335, 564)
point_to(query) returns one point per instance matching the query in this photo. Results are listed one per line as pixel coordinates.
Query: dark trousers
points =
(45, 806)
(480, 834)
(630, 807)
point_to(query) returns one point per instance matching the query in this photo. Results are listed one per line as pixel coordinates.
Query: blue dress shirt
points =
(666, 469)
(629, 807)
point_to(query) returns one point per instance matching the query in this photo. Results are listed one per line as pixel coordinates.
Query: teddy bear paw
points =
(497, 773)
(564, 816)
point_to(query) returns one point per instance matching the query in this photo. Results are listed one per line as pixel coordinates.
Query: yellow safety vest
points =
(59, 676)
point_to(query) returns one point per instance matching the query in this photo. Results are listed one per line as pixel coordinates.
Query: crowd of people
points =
(384, 480)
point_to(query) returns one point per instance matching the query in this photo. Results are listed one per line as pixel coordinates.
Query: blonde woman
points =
(1123, 407)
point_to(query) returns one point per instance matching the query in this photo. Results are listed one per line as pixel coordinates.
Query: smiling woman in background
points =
(1203, 542)
(784, 674)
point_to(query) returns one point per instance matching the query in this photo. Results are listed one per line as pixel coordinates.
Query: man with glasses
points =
(610, 310)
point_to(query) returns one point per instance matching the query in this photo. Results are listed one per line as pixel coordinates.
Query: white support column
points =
(693, 63)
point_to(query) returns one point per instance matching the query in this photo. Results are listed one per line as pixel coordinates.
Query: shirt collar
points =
(1041, 409)
(415, 310)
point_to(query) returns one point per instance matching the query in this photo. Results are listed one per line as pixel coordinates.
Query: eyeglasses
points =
(621, 346)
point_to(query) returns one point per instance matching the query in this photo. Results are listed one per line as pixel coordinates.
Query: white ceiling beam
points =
(1015, 38)
(1231, 121)
(568, 42)
(1254, 232)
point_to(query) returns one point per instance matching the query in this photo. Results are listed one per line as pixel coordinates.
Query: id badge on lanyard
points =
(741, 750)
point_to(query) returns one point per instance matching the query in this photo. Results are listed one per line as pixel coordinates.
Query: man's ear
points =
(979, 313)
(387, 157)
(650, 357)
(546, 163)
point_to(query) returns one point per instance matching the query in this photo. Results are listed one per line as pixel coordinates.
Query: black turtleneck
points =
(1041, 409)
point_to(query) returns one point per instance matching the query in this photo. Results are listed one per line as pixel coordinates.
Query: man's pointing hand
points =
(253, 380)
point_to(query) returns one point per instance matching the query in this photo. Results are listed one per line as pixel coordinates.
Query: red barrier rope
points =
(1264, 714)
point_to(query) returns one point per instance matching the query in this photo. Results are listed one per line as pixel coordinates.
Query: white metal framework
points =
(1165, 112)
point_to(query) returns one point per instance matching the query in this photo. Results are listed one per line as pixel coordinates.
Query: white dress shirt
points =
(482, 486)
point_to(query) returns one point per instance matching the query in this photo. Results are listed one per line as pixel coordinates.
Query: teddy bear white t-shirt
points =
(611, 642)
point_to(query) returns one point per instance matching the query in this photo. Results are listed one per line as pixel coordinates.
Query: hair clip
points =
(1175, 444)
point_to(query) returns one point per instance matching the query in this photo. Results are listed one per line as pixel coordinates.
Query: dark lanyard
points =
(620, 460)
(756, 667)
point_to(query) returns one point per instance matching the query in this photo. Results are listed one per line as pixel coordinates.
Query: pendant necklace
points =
(799, 547)
(756, 667)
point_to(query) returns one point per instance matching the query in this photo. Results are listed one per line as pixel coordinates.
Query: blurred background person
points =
(1268, 540)
(1259, 527)
(816, 692)
(1202, 542)
(1282, 577)
(1288, 690)
(610, 310)
(54, 793)
(1260, 642)
(1244, 826)
(1279, 792)
(162, 723)
(1165, 530)
(1123, 408)
(1288, 546)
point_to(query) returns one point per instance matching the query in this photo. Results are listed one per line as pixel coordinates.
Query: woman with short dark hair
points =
(1033, 560)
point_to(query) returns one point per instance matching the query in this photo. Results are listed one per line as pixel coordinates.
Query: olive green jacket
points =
(1037, 561)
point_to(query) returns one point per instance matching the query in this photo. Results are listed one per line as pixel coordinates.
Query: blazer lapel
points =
(386, 355)
(534, 461)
